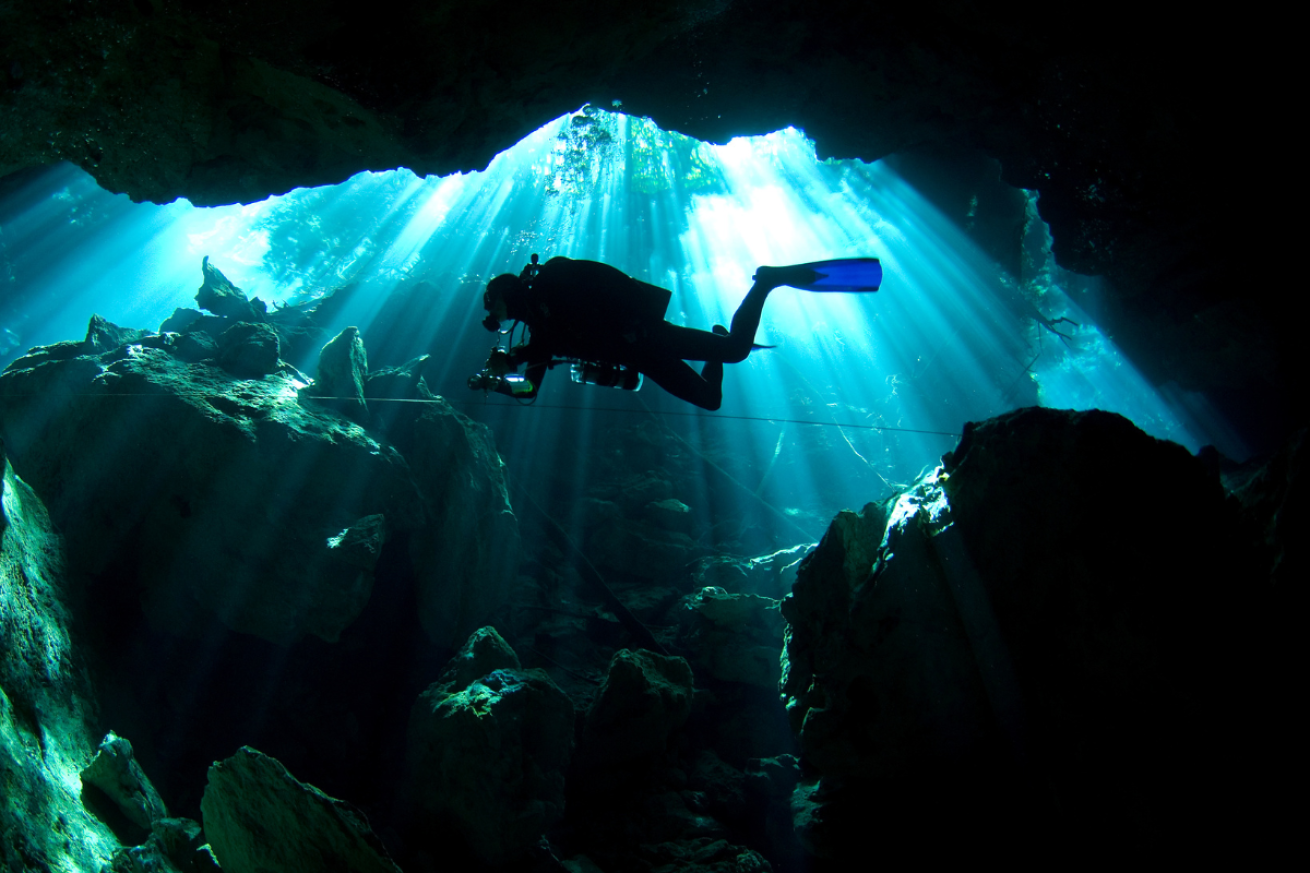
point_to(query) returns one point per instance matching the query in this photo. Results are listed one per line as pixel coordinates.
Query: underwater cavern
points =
(996, 562)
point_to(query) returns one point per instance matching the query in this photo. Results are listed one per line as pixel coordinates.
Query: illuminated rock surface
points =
(46, 703)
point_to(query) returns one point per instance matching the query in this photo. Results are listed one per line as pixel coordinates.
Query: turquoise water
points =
(861, 393)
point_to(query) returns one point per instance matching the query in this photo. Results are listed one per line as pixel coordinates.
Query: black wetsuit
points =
(593, 312)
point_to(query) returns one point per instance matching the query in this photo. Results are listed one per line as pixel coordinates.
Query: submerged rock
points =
(644, 698)
(466, 556)
(258, 817)
(1011, 645)
(487, 753)
(46, 703)
(733, 637)
(221, 297)
(115, 772)
(342, 372)
(233, 500)
(249, 351)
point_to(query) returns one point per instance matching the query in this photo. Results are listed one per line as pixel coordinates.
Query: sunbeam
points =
(885, 377)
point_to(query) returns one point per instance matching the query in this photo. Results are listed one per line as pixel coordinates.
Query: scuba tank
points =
(607, 375)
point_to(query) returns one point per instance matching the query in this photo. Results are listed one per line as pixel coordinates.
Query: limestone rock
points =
(258, 817)
(202, 491)
(644, 698)
(1003, 632)
(46, 704)
(342, 372)
(489, 758)
(175, 844)
(114, 771)
(102, 336)
(249, 351)
(467, 555)
(221, 297)
(484, 652)
(733, 637)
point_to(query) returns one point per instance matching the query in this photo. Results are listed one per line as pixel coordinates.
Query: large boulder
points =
(487, 752)
(645, 698)
(466, 557)
(232, 500)
(258, 817)
(1023, 641)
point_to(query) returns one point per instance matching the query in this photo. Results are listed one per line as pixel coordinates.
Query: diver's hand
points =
(498, 363)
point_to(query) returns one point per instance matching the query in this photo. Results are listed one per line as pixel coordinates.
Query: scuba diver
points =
(610, 327)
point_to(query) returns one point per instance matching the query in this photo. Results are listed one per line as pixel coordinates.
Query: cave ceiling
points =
(1120, 120)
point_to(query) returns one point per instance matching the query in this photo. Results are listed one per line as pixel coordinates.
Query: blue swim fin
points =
(843, 274)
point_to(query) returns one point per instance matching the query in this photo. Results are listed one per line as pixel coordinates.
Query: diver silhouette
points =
(611, 326)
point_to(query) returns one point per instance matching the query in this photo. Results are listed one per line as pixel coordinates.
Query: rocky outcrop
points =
(733, 637)
(115, 772)
(259, 817)
(1015, 638)
(644, 699)
(46, 704)
(487, 751)
(233, 501)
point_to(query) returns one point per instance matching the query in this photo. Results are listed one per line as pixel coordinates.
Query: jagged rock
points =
(102, 336)
(200, 491)
(733, 637)
(46, 703)
(466, 557)
(644, 698)
(396, 382)
(487, 754)
(249, 351)
(182, 321)
(221, 297)
(1002, 633)
(175, 844)
(484, 652)
(258, 817)
(114, 771)
(342, 371)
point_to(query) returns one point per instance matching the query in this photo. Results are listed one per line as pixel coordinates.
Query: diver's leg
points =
(723, 346)
(679, 379)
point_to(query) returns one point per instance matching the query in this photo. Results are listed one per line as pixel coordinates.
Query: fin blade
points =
(845, 275)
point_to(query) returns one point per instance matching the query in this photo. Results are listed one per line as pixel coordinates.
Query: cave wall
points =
(1120, 122)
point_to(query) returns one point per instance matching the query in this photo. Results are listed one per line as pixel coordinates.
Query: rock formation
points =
(1018, 642)
(195, 440)
(488, 750)
(260, 817)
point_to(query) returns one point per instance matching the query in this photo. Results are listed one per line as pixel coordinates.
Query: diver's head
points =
(496, 299)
